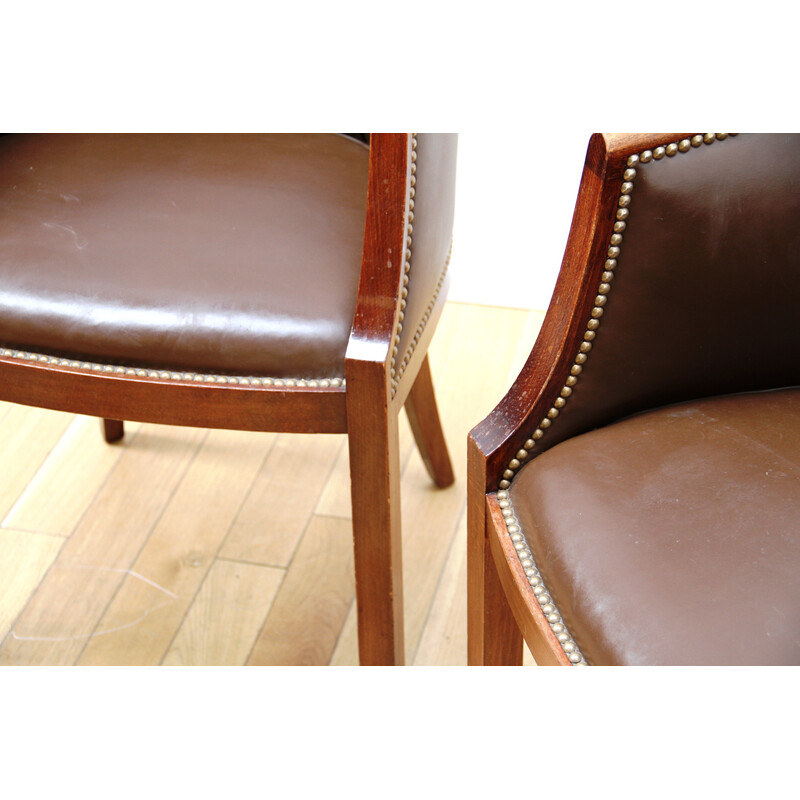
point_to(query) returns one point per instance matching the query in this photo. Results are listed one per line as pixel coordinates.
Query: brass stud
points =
(659, 153)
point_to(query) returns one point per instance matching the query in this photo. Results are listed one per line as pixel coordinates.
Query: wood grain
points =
(65, 610)
(51, 505)
(307, 614)
(180, 551)
(226, 616)
(25, 557)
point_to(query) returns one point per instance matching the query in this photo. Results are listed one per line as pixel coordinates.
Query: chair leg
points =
(423, 417)
(375, 492)
(113, 430)
(493, 635)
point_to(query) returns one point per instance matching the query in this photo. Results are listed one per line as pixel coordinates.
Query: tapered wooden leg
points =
(423, 417)
(375, 491)
(493, 635)
(113, 430)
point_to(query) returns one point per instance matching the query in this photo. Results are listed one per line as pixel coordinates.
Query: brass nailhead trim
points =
(170, 375)
(549, 608)
(395, 375)
(397, 372)
(603, 293)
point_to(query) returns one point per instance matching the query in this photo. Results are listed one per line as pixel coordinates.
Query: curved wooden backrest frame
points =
(503, 433)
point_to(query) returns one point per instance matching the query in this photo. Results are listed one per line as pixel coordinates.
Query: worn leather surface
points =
(219, 253)
(705, 294)
(673, 537)
(434, 205)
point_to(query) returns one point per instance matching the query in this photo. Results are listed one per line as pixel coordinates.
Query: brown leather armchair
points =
(286, 283)
(635, 498)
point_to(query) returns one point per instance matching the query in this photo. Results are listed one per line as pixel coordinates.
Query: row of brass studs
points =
(395, 376)
(194, 377)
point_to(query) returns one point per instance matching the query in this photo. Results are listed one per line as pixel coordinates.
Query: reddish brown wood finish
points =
(371, 416)
(202, 405)
(504, 431)
(496, 440)
(493, 635)
(366, 408)
(113, 430)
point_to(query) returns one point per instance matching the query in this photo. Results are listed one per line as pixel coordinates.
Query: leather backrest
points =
(705, 295)
(432, 226)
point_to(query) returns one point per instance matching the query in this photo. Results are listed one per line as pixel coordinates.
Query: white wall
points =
(514, 202)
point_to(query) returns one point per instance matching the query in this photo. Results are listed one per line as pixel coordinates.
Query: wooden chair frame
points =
(365, 405)
(502, 607)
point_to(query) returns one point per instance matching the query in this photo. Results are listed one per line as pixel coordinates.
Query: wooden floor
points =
(185, 546)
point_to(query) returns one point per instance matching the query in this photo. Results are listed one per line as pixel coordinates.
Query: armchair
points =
(635, 497)
(286, 283)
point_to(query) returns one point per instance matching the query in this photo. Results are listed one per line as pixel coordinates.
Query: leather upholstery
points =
(673, 537)
(213, 253)
(704, 297)
(434, 205)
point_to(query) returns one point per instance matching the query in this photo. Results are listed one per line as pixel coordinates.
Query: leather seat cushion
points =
(673, 537)
(221, 253)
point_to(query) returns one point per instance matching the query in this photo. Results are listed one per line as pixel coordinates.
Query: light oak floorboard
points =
(180, 552)
(307, 615)
(27, 435)
(66, 608)
(24, 559)
(226, 616)
(283, 497)
(52, 505)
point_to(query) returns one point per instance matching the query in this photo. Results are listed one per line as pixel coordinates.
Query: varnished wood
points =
(113, 430)
(423, 416)
(200, 405)
(375, 492)
(494, 637)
